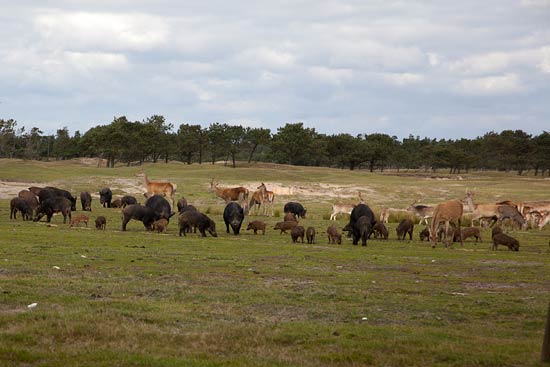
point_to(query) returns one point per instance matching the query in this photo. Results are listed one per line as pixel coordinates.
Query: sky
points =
(442, 69)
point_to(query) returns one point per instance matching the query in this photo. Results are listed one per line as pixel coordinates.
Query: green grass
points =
(146, 299)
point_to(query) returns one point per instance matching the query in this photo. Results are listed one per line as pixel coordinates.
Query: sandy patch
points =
(319, 190)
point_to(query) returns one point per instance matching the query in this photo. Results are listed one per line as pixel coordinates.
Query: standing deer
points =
(239, 194)
(159, 188)
(448, 212)
(341, 209)
(480, 211)
(422, 211)
(261, 198)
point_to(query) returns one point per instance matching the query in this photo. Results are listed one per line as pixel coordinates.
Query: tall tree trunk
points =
(252, 152)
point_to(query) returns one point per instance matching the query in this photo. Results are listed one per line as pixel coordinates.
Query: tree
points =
(7, 137)
(255, 137)
(188, 141)
(218, 143)
(235, 136)
(292, 144)
(380, 147)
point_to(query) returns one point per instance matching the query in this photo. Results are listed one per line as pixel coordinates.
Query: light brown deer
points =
(262, 198)
(480, 211)
(166, 189)
(530, 206)
(228, 194)
(421, 211)
(447, 212)
(544, 220)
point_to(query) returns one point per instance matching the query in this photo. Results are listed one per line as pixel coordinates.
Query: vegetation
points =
(153, 139)
(145, 299)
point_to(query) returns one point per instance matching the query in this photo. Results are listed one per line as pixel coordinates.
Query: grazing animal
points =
(160, 225)
(256, 226)
(380, 231)
(79, 218)
(541, 206)
(421, 211)
(190, 218)
(51, 205)
(468, 232)
(295, 208)
(48, 192)
(139, 212)
(21, 205)
(117, 203)
(86, 201)
(100, 222)
(35, 190)
(404, 227)
(105, 197)
(310, 235)
(480, 211)
(29, 197)
(285, 226)
(239, 193)
(341, 209)
(510, 212)
(333, 235)
(128, 200)
(364, 228)
(160, 206)
(500, 238)
(158, 188)
(233, 215)
(297, 232)
(386, 213)
(425, 234)
(448, 212)
(544, 220)
(289, 217)
(182, 203)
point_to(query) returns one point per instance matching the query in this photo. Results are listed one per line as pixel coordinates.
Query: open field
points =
(146, 299)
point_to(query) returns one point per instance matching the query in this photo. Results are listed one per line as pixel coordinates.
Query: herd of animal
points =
(155, 214)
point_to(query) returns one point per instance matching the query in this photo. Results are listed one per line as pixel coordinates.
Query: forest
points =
(154, 139)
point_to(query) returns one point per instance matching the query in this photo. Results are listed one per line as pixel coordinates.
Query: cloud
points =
(337, 65)
(494, 85)
(102, 31)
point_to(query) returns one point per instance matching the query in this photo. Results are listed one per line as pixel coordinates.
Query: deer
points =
(166, 189)
(530, 206)
(480, 211)
(267, 197)
(448, 212)
(544, 220)
(239, 194)
(422, 211)
(341, 209)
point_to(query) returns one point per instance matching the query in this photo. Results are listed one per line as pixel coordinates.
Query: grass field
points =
(109, 298)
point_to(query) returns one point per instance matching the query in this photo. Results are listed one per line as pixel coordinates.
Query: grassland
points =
(146, 299)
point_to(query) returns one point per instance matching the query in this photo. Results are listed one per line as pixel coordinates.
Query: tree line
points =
(154, 139)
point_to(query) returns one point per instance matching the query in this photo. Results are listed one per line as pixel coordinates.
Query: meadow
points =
(136, 298)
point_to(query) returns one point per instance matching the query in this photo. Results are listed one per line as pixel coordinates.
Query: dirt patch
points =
(9, 189)
(320, 190)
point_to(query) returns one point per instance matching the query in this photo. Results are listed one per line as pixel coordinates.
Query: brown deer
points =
(341, 209)
(448, 212)
(261, 198)
(158, 188)
(239, 194)
(480, 211)
(422, 211)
